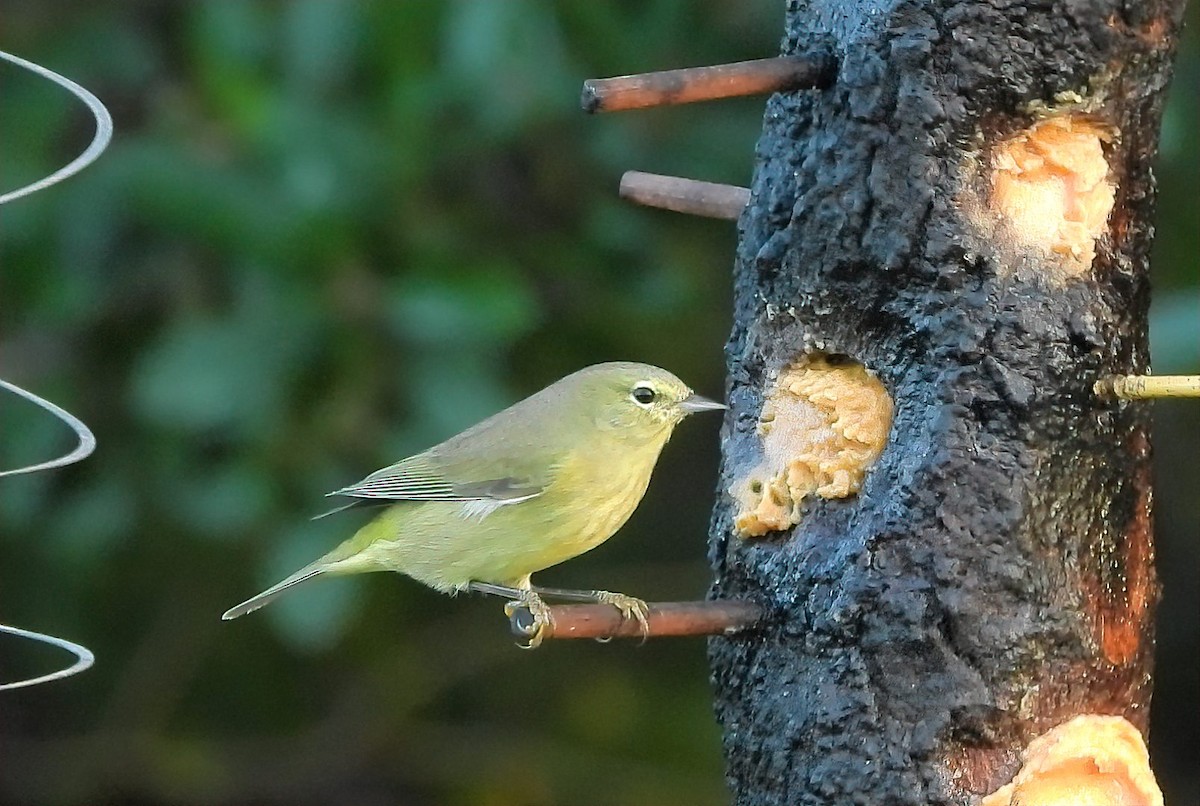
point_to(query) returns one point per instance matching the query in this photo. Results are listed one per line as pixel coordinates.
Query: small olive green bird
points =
(543, 481)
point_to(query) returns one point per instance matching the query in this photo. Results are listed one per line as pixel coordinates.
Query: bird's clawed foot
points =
(630, 608)
(539, 610)
(529, 598)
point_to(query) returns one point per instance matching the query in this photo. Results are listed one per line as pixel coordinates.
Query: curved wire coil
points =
(86, 440)
(104, 130)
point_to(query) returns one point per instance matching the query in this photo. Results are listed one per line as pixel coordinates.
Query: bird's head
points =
(639, 399)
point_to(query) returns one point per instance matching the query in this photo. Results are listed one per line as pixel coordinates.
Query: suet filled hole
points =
(1091, 760)
(1051, 189)
(824, 422)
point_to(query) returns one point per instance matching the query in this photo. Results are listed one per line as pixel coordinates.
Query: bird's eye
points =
(644, 395)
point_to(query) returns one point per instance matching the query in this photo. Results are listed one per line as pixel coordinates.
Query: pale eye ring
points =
(643, 395)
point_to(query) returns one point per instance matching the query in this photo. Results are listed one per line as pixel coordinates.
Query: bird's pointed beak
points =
(694, 402)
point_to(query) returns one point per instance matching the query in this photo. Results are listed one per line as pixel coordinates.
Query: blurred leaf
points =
(322, 42)
(224, 502)
(516, 51)
(89, 523)
(485, 306)
(452, 392)
(232, 372)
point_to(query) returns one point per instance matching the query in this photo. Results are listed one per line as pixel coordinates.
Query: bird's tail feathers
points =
(270, 594)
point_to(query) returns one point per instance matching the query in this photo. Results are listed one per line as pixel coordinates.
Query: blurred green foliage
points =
(325, 236)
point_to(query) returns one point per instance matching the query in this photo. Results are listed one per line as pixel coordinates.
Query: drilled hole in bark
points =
(824, 422)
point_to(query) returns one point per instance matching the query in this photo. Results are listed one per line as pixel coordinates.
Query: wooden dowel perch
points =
(722, 617)
(1147, 387)
(690, 196)
(692, 84)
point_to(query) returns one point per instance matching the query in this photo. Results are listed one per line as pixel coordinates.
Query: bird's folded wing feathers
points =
(425, 478)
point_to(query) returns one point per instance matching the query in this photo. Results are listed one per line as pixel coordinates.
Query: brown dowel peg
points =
(690, 196)
(692, 84)
(602, 621)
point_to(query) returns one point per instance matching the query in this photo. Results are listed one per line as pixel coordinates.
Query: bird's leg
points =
(505, 591)
(628, 606)
(523, 596)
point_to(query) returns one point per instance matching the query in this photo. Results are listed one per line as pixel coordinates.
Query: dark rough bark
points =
(994, 576)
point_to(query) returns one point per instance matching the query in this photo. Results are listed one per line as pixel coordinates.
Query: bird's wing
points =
(427, 477)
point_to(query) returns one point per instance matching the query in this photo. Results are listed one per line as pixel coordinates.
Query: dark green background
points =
(328, 235)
